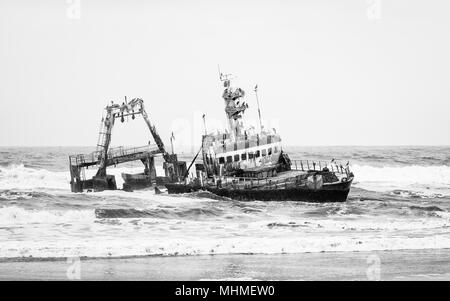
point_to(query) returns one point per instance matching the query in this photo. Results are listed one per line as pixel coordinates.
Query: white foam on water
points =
(21, 177)
(7, 195)
(426, 180)
(170, 245)
(14, 215)
(77, 233)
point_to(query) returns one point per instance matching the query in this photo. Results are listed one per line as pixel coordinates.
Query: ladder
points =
(102, 135)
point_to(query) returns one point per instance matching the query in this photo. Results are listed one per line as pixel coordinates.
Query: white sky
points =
(329, 72)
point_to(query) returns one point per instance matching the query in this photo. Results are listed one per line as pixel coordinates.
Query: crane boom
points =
(113, 111)
(155, 135)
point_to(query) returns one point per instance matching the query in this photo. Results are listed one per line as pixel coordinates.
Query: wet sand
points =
(393, 265)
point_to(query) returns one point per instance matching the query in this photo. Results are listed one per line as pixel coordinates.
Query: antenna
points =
(220, 73)
(259, 111)
(224, 77)
(172, 137)
(204, 124)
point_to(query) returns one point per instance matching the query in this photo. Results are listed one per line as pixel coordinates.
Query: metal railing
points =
(122, 152)
(94, 157)
(255, 183)
(285, 182)
(310, 165)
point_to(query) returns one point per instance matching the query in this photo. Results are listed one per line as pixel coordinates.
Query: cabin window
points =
(250, 155)
(236, 158)
(229, 159)
(257, 154)
(275, 149)
(269, 151)
(264, 152)
(221, 160)
(244, 156)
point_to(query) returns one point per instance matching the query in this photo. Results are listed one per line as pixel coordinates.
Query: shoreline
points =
(424, 264)
(88, 258)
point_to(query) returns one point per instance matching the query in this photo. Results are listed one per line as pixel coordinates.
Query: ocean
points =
(400, 200)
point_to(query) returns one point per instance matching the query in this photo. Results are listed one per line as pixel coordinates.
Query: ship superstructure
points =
(241, 151)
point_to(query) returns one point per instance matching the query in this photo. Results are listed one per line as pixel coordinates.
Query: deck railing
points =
(310, 165)
(122, 152)
(253, 183)
(94, 157)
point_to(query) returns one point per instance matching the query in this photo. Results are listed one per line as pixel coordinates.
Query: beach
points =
(393, 265)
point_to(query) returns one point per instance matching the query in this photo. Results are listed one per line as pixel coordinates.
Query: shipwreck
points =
(104, 156)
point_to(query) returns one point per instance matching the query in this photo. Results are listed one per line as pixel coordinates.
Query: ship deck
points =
(294, 177)
(284, 179)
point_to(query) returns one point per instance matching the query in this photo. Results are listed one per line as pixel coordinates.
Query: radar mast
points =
(235, 106)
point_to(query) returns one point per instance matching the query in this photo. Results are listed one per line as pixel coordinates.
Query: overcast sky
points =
(349, 72)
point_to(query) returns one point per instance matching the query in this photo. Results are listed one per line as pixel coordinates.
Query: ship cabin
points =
(254, 155)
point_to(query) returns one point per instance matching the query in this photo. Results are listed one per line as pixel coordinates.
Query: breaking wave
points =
(14, 215)
(404, 175)
(280, 238)
(407, 181)
(20, 195)
(22, 177)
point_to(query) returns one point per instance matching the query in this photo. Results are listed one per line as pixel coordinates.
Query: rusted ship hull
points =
(333, 193)
(336, 192)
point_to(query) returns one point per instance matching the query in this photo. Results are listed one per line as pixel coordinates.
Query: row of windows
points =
(244, 156)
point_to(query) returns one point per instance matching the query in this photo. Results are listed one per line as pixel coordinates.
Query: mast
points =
(259, 111)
